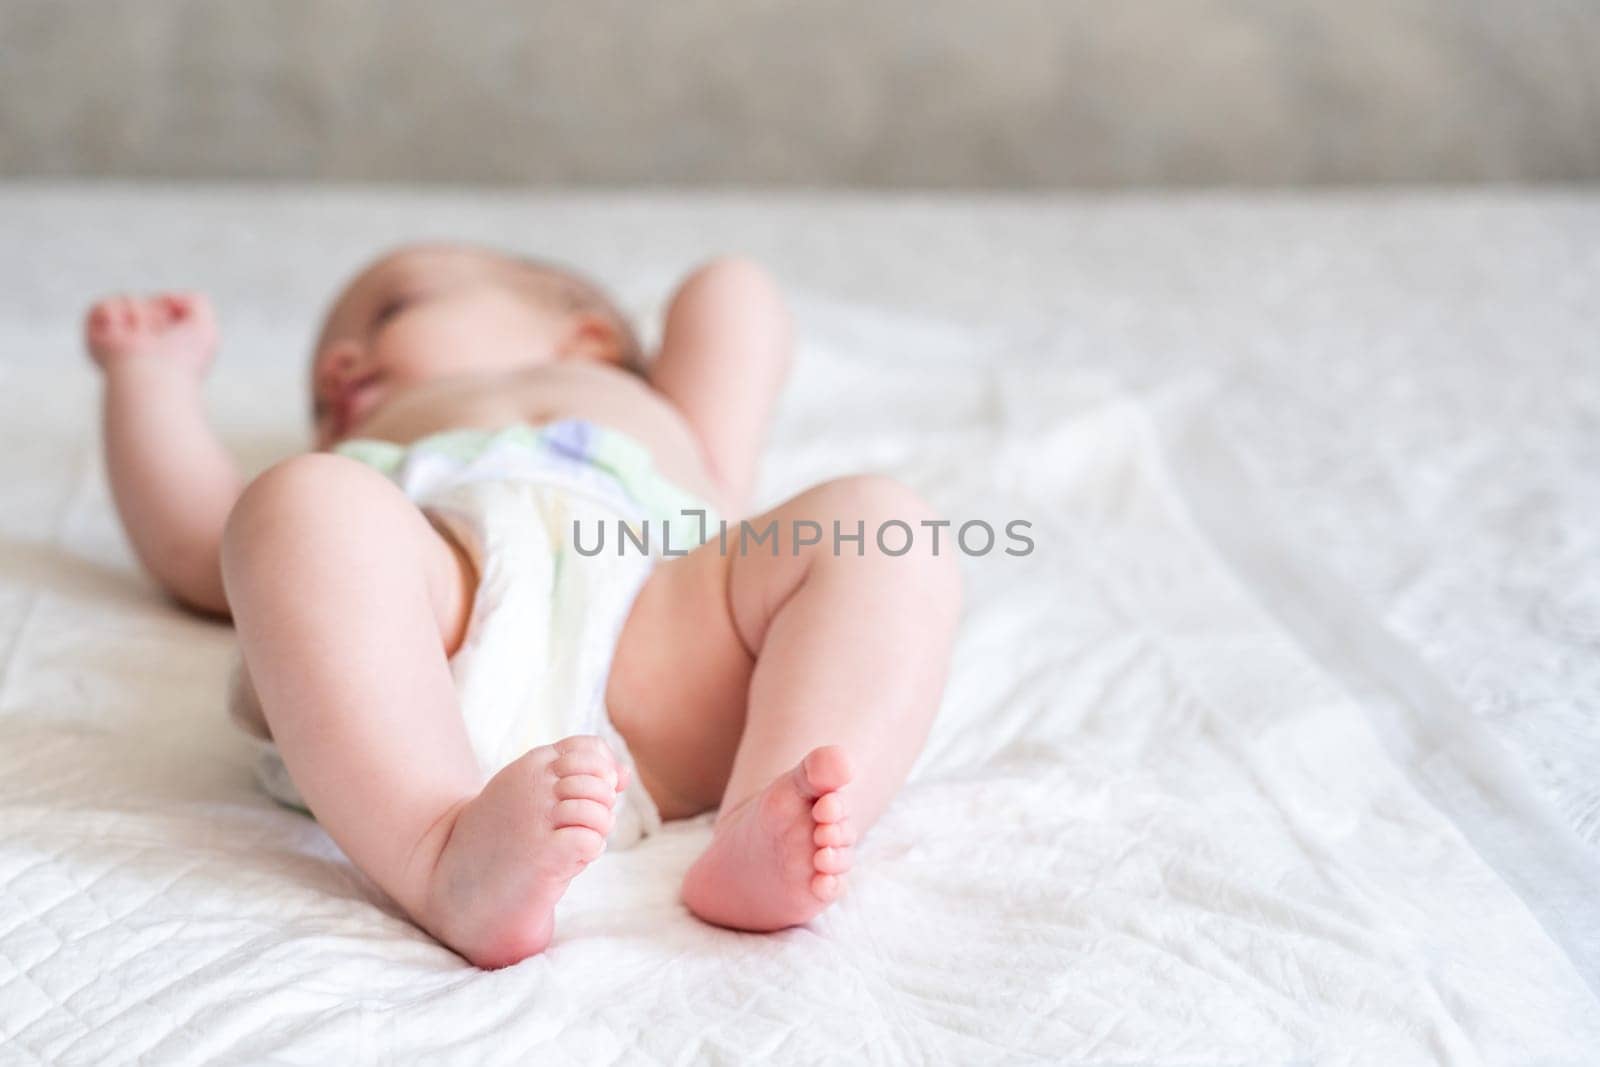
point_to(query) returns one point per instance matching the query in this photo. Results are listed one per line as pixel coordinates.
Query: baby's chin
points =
(324, 436)
(324, 439)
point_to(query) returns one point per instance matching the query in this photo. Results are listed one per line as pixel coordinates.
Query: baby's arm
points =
(724, 355)
(173, 482)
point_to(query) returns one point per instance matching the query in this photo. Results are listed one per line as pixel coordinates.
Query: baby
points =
(468, 696)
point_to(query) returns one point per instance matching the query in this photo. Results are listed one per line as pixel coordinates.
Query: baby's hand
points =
(179, 329)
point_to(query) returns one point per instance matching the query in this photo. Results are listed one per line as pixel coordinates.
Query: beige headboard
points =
(1013, 93)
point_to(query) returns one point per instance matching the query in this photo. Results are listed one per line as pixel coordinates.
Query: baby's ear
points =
(592, 338)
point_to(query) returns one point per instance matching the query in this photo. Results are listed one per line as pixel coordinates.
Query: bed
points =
(1278, 748)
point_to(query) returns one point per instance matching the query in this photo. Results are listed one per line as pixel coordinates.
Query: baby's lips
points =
(355, 404)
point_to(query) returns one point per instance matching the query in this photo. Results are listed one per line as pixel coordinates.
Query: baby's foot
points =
(515, 847)
(178, 327)
(779, 857)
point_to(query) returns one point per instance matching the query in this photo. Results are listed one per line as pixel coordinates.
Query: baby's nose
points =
(339, 361)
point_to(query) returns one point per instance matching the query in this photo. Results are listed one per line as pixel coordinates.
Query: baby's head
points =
(424, 312)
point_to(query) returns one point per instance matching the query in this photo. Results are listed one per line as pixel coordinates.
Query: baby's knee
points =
(898, 526)
(875, 497)
(739, 273)
(292, 496)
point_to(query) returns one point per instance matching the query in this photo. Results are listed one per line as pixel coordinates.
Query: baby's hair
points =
(576, 293)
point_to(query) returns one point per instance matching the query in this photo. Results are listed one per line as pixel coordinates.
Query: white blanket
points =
(1149, 827)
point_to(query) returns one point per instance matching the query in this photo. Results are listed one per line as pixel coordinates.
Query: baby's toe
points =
(581, 811)
(825, 887)
(585, 746)
(834, 834)
(595, 759)
(824, 770)
(828, 808)
(832, 860)
(586, 787)
(580, 842)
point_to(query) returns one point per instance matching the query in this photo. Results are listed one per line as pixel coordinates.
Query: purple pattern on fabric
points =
(573, 438)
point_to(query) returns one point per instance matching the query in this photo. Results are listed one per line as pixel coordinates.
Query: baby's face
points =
(426, 313)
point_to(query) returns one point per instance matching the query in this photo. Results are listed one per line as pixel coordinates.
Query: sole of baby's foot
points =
(778, 858)
(515, 847)
(177, 326)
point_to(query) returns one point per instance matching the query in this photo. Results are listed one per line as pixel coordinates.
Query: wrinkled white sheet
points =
(1149, 827)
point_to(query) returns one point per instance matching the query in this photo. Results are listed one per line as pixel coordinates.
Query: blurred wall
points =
(1013, 93)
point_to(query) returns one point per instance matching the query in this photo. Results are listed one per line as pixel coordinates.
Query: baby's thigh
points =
(328, 528)
(678, 683)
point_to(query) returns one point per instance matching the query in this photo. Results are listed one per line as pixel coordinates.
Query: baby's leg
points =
(779, 679)
(347, 603)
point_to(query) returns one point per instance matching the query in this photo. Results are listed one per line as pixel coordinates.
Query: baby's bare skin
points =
(598, 393)
(792, 690)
